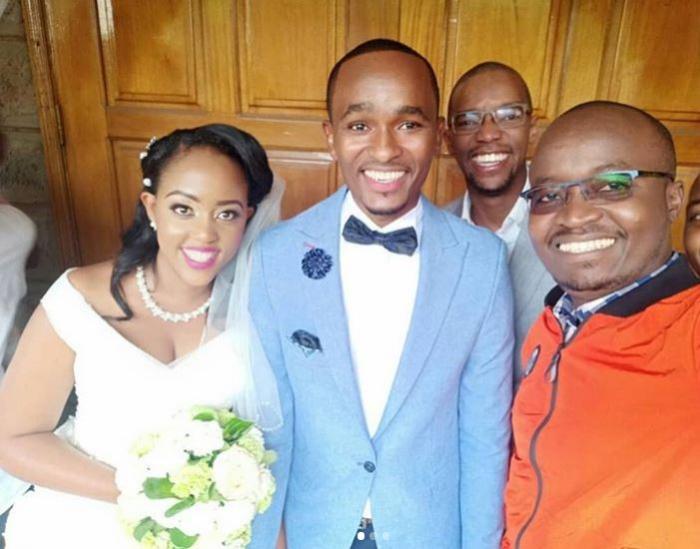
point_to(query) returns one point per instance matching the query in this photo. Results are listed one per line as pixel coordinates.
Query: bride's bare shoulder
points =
(92, 281)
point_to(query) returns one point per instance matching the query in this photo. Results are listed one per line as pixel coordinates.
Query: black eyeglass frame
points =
(527, 111)
(582, 183)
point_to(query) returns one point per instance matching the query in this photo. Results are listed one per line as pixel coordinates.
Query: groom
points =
(390, 323)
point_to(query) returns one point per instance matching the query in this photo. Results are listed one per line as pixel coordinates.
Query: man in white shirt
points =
(490, 123)
(389, 325)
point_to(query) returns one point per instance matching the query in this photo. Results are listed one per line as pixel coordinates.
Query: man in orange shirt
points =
(607, 420)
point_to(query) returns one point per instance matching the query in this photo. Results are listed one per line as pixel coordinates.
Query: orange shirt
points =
(607, 451)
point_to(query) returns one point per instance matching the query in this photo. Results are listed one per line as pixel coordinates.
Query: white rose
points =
(135, 507)
(198, 519)
(130, 475)
(236, 474)
(266, 490)
(164, 459)
(144, 444)
(234, 516)
(211, 540)
(254, 442)
(198, 437)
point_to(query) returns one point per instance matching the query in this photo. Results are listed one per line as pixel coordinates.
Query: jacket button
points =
(369, 466)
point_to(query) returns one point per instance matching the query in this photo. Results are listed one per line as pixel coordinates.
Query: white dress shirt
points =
(510, 229)
(379, 292)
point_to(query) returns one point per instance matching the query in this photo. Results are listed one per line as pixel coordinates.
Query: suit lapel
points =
(441, 261)
(325, 296)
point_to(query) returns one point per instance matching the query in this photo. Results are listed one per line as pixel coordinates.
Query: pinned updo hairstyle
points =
(139, 242)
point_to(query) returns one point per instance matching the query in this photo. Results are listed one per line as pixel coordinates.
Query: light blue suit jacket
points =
(531, 283)
(436, 468)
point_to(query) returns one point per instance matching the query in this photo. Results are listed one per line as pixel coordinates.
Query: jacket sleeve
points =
(484, 417)
(266, 527)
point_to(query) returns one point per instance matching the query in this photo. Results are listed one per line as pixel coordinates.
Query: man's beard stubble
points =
(476, 187)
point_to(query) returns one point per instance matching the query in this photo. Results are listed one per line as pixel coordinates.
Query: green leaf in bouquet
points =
(236, 428)
(158, 488)
(225, 416)
(143, 527)
(214, 494)
(180, 506)
(180, 539)
(204, 414)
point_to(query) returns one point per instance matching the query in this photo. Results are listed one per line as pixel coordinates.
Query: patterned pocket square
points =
(308, 343)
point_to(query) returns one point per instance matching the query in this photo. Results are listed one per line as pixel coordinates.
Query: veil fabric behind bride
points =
(258, 401)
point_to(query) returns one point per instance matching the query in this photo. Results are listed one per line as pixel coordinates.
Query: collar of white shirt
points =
(510, 229)
(412, 218)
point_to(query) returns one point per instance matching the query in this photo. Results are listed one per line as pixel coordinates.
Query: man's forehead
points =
(368, 107)
(496, 84)
(569, 152)
(592, 139)
(387, 64)
(373, 77)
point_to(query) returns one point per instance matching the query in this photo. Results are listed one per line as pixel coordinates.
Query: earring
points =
(153, 226)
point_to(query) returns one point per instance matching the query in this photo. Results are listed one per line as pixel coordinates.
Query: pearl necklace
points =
(157, 311)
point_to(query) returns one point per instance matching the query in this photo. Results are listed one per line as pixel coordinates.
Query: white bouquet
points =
(197, 483)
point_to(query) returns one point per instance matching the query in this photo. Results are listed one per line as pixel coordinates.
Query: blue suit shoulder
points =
(310, 219)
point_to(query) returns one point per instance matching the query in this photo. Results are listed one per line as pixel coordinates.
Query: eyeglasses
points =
(505, 117)
(599, 189)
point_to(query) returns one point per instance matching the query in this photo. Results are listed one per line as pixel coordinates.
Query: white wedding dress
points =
(122, 392)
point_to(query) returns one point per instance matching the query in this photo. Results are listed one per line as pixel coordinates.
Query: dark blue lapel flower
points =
(308, 343)
(316, 263)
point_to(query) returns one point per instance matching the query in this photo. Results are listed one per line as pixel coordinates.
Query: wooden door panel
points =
(127, 170)
(310, 177)
(79, 89)
(125, 70)
(450, 181)
(288, 133)
(287, 50)
(149, 57)
(590, 25)
(369, 19)
(657, 62)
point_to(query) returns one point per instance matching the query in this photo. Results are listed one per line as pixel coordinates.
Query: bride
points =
(140, 337)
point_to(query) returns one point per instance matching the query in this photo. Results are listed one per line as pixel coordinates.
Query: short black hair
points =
(488, 66)
(376, 45)
(656, 125)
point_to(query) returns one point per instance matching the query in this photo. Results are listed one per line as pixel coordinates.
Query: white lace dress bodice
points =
(122, 393)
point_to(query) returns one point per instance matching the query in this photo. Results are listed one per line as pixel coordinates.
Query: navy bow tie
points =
(403, 241)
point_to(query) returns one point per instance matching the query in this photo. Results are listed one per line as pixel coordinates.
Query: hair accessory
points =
(157, 311)
(153, 225)
(147, 182)
(144, 153)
